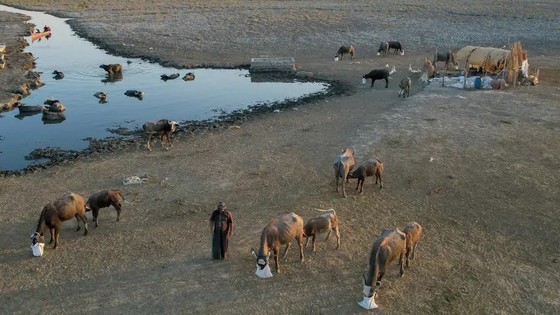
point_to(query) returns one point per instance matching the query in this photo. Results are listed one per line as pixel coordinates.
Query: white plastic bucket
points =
(364, 80)
(335, 58)
(37, 249)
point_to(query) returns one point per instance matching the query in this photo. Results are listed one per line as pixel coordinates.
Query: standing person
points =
(221, 225)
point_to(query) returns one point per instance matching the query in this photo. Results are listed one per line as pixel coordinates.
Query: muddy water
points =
(212, 92)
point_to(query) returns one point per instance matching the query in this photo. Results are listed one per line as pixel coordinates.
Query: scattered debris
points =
(135, 180)
(436, 190)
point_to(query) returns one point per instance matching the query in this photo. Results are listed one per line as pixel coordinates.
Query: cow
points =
(413, 232)
(112, 68)
(163, 128)
(104, 199)
(278, 232)
(345, 50)
(327, 222)
(377, 75)
(372, 167)
(342, 167)
(60, 210)
(404, 87)
(388, 247)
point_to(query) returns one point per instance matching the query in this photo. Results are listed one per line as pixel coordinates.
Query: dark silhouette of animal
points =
(345, 50)
(102, 96)
(448, 58)
(388, 247)
(28, 108)
(58, 75)
(378, 74)
(327, 222)
(413, 232)
(404, 87)
(60, 210)
(277, 233)
(112, 68)
(372, 167)
(104, 199)
(342, 167)
(189, 76)
(135, 93)
(166, 77)
(54, 106)
(163, 128)
(385, 47)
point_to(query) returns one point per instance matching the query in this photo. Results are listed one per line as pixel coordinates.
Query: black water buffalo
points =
(377, 75)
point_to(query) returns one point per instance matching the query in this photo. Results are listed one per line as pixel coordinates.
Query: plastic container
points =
(37, 249)
(478, 83)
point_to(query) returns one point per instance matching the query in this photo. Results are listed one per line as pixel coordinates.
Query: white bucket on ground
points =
(364, 80)
(335, 58)
(263, 273)
(37, 249)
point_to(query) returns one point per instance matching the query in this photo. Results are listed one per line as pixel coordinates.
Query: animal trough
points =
(278, 64)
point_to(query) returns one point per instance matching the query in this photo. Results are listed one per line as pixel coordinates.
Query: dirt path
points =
(479, 170)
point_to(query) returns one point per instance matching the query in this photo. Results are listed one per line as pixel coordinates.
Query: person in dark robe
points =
(221, 225)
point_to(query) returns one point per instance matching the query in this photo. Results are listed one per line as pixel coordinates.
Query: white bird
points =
(413, 71)
(393, 70)
(387, 66)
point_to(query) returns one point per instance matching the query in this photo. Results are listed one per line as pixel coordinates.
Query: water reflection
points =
(135, 95)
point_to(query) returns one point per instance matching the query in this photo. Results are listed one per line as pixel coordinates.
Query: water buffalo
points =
(280, 231)
(413, 232)
(135, 93)
(372, 167)
(448, 57)
(112, 68)
(104, 199)
(60, 210)
(327, 222)
(166, 77)
(377, 75)
(58, 75)
(404, 87)
(163, 128)
(345, 50)
(189, 76)
(388, 247)
(342, 167)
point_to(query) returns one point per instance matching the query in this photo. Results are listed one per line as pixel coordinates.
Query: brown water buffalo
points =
(345, 50)
(372, 167)
(60, 210)
(342, 166)
(104, 199)
(413, 232)
(163, 128)
(327, 222)
(388, 247)
(279, 232)
(112, 68)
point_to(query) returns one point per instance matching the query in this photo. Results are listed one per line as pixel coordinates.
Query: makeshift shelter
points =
(494, 60)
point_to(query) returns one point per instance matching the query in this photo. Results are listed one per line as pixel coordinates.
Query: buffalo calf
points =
(104, 199)
(413, 232)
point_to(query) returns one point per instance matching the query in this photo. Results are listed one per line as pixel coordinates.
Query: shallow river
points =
(213, 92)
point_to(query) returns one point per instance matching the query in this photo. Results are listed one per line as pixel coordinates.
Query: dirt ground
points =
(478, 169)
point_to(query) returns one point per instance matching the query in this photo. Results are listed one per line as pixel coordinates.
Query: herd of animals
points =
(390, 245)
(53, 110)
